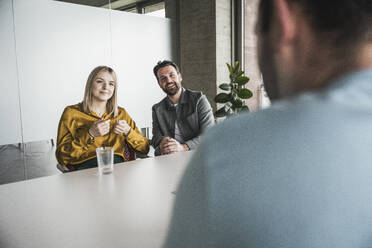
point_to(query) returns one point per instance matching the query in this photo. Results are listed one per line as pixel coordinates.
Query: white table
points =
(128, 208)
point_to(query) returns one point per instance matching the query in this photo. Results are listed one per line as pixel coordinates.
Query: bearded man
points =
(180, 118)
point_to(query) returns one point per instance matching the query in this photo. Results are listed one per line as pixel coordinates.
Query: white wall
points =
(10, 122)
(58, 44)
(137, 48)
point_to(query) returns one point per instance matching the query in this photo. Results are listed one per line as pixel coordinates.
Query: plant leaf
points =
(225, 86)
(245, 93)
(223, 111)
(222, 98)
(237, 103)
(234, 85)
(220, 112)
(242, 80)
(236, 68)
(229, 67)
(244, 108)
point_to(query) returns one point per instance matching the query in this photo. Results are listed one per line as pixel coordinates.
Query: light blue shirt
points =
(296, 175)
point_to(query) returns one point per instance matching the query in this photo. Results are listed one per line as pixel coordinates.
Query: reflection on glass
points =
(155, 10)
(93, 3)
(149, 7)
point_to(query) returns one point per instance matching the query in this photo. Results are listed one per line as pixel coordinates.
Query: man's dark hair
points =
(344, 20)
(162, 64)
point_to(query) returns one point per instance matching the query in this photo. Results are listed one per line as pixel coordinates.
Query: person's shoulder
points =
(192, 96)
(71, 111)
(193, 93)
(255, 122)
(295, 114)
(159, 104)
(73, 108)
(122, 112)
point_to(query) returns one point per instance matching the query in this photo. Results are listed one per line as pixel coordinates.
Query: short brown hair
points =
(162, 64)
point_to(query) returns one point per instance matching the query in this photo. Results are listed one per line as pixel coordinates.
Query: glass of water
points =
(105, 158)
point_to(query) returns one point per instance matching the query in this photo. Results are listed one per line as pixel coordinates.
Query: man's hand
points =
(121, 126)
(163, 142)
(99, 128)
(169, 145)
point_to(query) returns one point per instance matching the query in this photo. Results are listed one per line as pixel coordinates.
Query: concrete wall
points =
(202, 38)
(198, 45)
(203, 42)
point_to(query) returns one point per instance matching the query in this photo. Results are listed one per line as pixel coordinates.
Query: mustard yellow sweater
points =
(74, 144)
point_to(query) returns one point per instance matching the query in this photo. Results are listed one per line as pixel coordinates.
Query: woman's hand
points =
(121, 126)
(99, 128)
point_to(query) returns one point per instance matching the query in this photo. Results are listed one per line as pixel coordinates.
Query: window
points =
(259, 99)
(244, 50)
(155, 10)
(149, 7)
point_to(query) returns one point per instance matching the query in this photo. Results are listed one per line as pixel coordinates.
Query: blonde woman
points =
(97, 122)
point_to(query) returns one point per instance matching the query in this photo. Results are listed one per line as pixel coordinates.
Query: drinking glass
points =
(105, 158)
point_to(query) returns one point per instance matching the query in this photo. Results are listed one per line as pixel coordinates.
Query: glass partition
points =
(48, 48)
(92, 3)
(40, 46)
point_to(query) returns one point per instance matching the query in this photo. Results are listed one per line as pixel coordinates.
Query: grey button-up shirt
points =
(194, 116)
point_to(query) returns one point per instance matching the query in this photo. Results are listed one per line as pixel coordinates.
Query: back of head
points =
(341, 21)
(317, 40)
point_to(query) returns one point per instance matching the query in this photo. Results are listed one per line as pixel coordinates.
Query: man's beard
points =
(171, 92)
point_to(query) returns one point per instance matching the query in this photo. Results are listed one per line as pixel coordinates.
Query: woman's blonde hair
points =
(112, 104)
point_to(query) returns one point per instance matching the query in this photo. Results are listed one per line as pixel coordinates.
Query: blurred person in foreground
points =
(298, 174)
(96, 122)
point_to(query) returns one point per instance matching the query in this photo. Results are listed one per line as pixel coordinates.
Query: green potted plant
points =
(233, 100)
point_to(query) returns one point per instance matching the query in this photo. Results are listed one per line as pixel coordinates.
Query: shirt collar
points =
(182, 100)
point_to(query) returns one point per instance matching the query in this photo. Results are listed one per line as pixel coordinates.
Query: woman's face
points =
(103, 87)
